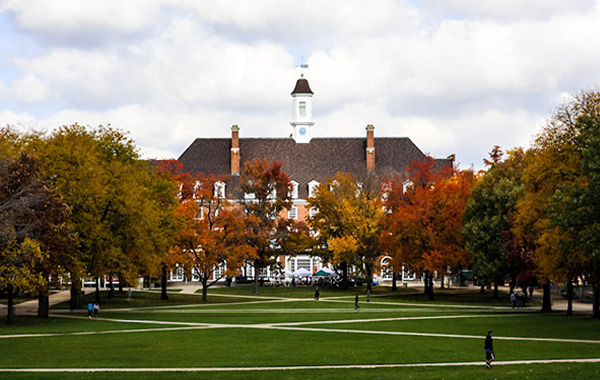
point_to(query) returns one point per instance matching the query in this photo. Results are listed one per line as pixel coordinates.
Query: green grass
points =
(146, 299)
(236, 344)
(569, 371)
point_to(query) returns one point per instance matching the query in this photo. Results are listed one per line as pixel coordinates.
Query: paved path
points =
(300, 367)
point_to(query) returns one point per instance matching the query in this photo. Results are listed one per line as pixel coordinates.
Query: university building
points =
(306, 160)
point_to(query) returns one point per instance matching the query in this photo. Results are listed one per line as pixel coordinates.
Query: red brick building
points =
(306, 160)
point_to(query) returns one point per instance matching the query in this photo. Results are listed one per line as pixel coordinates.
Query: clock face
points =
(302, 131)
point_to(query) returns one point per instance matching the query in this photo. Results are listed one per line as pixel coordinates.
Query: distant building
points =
(306, 160)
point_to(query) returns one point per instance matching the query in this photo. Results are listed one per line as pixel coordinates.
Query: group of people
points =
(93, 309)
(519, 299)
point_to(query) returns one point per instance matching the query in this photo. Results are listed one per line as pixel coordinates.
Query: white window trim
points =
(312, 186)
(219, 190)
(293, 212)
(294, 192)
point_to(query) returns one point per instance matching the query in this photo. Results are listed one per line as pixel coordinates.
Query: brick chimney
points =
(370, 148)
(235, 150)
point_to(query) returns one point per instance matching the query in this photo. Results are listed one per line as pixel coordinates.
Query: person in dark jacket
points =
(489, 349)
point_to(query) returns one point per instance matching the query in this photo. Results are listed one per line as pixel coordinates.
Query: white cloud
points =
(30, 89)
(170, 71)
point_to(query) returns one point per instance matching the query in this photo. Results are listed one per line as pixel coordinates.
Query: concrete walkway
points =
(31, 307)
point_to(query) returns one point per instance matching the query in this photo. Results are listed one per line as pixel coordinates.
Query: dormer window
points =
(219, 191)
(294, 192)
(312, 188)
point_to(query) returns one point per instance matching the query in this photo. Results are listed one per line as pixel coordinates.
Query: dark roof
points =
(303, 163)
(302, 87)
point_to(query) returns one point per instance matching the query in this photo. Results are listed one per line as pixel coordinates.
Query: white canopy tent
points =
(301, 272)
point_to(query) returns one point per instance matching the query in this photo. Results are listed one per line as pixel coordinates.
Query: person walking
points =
(489, 349)
(317, 294)
(129, 295)
(356, 307)
(96, 310)
(90, 310)
(368, 295)
(513, 300)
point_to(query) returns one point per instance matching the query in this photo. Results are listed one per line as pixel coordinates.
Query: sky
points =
(455, 76)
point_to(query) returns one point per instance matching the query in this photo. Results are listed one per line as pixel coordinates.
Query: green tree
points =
(574, 209)
(488, 217)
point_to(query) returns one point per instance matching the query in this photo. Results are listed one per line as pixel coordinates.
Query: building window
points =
(293, 212)
(294, 192)
(199, 212)
(312, 212)
(312, 187)
(219, 191)
(302, 109)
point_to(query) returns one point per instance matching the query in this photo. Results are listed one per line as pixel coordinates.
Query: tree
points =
(267, 190)
(35, 237)
(574, 206)
(488, 218)
(348, 221)
(213, 233)
(422, 229)
(553, 174)
(100, 175)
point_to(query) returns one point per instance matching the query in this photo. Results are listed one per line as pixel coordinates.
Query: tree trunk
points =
(111, 287)
(205, 287)
(10, 312)
(569, 297)
(75, 301)
(426, 282)
(98, 290)
(482, 289)
(43, 304)
(596, 304)
(120, 276)
(496, 294)
(256, 270)
(394, 285)
(442, 284)
(163, 284)
(430, 296)
(546, 301)
(345, 275)
(369, 277)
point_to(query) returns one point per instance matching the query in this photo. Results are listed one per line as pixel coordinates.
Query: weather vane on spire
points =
(302, 66)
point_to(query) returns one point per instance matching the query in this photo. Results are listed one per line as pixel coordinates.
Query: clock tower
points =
(302, 100)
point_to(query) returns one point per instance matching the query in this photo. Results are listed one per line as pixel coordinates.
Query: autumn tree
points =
(213, 232)
(567, 151)
(348, 221)
(35, 236)
(267, 192)
(422, 229)
(99, 173)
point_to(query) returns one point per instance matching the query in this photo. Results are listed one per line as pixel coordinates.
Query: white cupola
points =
(302, 124)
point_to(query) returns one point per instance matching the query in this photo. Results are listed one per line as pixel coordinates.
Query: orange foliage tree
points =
(422, 229)
(211, 242)
(267, 192)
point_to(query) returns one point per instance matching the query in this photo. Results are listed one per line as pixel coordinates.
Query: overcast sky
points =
(456, 76)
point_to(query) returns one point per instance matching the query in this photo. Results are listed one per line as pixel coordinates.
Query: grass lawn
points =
(242, 334)
(146, 299)
(532, 372)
